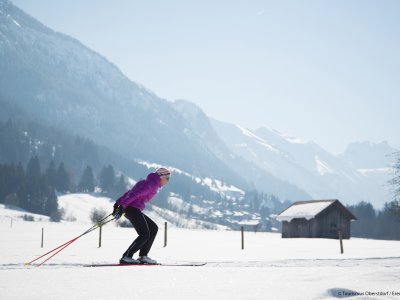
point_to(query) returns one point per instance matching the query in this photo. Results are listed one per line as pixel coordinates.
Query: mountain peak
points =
(272, 134)
(187, 107)
(369, 155)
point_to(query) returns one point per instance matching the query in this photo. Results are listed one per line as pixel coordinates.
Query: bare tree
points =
(97, 215)
(395, 181)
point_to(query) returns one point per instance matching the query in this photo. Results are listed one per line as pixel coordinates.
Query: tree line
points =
(28, 189)
(35, 190)
(376, 224)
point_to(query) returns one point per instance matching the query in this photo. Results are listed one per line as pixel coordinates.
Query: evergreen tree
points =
(120, 186)
(51, 174)
(86, 184)
(28, 190)
(366, 219)
(388, 222)
(51, 205)
(63, 183)
(393, 207)
(33, 182)
(107, 178)
(11, 179)
(2, 183)
(396, 178)
(21, 188)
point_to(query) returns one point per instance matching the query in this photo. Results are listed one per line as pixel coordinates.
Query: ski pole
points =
(87, 231)
(63, 246)
(73, 240)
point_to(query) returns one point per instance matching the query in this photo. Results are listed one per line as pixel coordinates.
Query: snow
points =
(268, 268)
(330, 176)
(384, 171)
(16, 23)
(305, 210)
(80, 206)
(8, 214)
(322, 167)
(179, 204)
(227, 188)
(259, 140)
(288, 138)
(214, 184)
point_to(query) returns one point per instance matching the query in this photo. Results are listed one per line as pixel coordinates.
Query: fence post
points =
(165, 234)
(341, 241)
(242, 229)
(42, 237)
(100, 236)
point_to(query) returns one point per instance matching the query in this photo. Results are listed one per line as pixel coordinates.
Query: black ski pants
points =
(145, 228)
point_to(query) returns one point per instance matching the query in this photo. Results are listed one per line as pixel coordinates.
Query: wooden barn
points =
(316, 219)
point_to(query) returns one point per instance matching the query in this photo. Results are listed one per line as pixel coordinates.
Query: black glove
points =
(118, 211)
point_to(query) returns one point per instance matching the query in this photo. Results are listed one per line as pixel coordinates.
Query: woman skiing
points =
(132, 204)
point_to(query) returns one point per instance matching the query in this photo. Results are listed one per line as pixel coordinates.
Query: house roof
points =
(310, 209)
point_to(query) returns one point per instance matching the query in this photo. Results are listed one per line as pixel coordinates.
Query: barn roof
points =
(310, 209)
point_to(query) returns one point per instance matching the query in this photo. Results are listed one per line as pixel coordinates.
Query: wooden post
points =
(165, 234)
(242, 230)
(42, 237)
(341, 241)
(100, 236)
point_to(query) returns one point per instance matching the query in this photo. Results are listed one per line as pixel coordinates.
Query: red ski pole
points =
(65, 245)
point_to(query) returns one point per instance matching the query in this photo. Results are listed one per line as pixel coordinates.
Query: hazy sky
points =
(327, 71)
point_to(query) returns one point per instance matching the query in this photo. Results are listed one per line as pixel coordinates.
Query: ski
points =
(147, 265)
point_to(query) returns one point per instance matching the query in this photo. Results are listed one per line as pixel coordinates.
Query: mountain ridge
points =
(56, 79)
(303, 163)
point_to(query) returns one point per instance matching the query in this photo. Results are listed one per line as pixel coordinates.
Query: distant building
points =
(316, 219)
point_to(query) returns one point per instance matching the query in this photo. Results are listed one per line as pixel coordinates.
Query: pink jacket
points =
(141, 193)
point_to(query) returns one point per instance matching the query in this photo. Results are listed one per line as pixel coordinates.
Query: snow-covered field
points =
(268, 268)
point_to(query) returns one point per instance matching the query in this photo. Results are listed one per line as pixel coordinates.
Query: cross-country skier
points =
(132, 204)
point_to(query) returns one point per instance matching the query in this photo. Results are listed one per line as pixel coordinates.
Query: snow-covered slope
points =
(302, 163)
(9, 214)
(269, 267)
(367, 155)
(54, 78)
(79, 207)
(256, 177)
(372, 160)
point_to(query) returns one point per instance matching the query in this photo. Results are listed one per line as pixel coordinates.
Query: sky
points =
(325, 71)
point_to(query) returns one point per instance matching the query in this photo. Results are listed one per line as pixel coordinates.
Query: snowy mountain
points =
(55, 79)
(302, 163)
(188, 200)
(260, 178)
(372, 160)
(367, 155)
(66, 85)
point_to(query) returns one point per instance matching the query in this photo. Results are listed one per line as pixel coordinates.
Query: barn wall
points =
(285, 229)
(296, 228)
(326, 225)
(331, 222)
